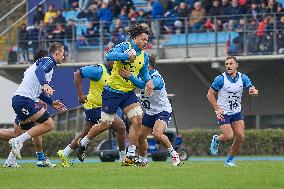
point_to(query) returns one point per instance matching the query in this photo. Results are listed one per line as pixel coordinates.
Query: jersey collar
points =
(233, 79)
(151, 71)
(135, 47)
(55, 64)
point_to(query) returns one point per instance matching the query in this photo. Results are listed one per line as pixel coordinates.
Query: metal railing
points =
(214, 37)
(72, 119)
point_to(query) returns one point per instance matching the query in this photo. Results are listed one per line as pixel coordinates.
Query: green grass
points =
(248, 174)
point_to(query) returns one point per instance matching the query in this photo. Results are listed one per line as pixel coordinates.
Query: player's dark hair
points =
(39, 54)
(137, 29)
(231, 57)
(54, 47)
(152, 60)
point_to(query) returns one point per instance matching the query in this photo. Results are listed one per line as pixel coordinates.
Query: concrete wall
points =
(8, 88)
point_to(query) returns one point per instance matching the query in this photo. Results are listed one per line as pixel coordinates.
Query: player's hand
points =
(82, 98)
(48, 90)
(149, 88)
(58, 105)
(124, 73)
(44, 105)
(253, 91)
(219, 113)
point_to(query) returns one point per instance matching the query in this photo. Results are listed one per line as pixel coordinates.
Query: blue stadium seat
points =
(89, 47)
(72, 15)
(138, 3)
(281, 2)
(199, 38)
(81, 28)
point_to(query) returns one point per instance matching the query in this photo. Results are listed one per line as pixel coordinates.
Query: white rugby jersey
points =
(158, 102)
(230, 95)
(30, 86)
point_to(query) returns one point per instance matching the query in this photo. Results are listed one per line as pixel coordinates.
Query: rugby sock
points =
(121, 155)
(85, 141)
(23, 137)
(11, 159)
(67, 151)
(171, 151)
(230, 158)
(216, 139)
(40, 156)
(131, 150)
(143, 159)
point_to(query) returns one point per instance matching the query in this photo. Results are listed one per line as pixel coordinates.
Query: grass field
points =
(192, 174)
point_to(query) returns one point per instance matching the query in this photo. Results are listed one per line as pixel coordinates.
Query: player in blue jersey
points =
(158, 111)
(35, 86)
(7, 134)
(119, 92)
(98, 76)
(229, 88)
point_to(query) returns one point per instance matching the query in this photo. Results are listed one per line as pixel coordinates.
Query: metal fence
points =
(170, 37)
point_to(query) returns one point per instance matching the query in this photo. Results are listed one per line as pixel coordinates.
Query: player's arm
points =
(56, 104)
(90, 72)
(45, 98)
(44, 66)
(248, 85)
(157, 80)
(214, 88)
(144, 74)
(119, 52)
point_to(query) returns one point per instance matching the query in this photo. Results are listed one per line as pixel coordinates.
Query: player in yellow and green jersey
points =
(98, 75)
(119, 92)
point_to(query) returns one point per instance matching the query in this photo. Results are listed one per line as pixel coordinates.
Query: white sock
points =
(143, 159)
(67, 151)
(121, 156)
(11, 159)
(131, 150)
(85, 141)
(171, 151)
(23, 137)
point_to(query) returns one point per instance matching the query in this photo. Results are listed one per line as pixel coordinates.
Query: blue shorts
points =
(93, 115)
(112, 100)
(149, 120)
(25, 107)
(228, 119)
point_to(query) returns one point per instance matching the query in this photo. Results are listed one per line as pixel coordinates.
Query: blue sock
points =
(40, 156)
(230, 158)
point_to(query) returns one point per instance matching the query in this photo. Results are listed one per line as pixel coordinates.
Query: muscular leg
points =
(158, 132)
(39, 129)
(227, 133)
(63, 154)
(82, 134)
(136, 124)
(142, 141)
(7, 134)
(101, 127)
(238, 128)
(119, 126)
(37, 141)
(96, 130)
